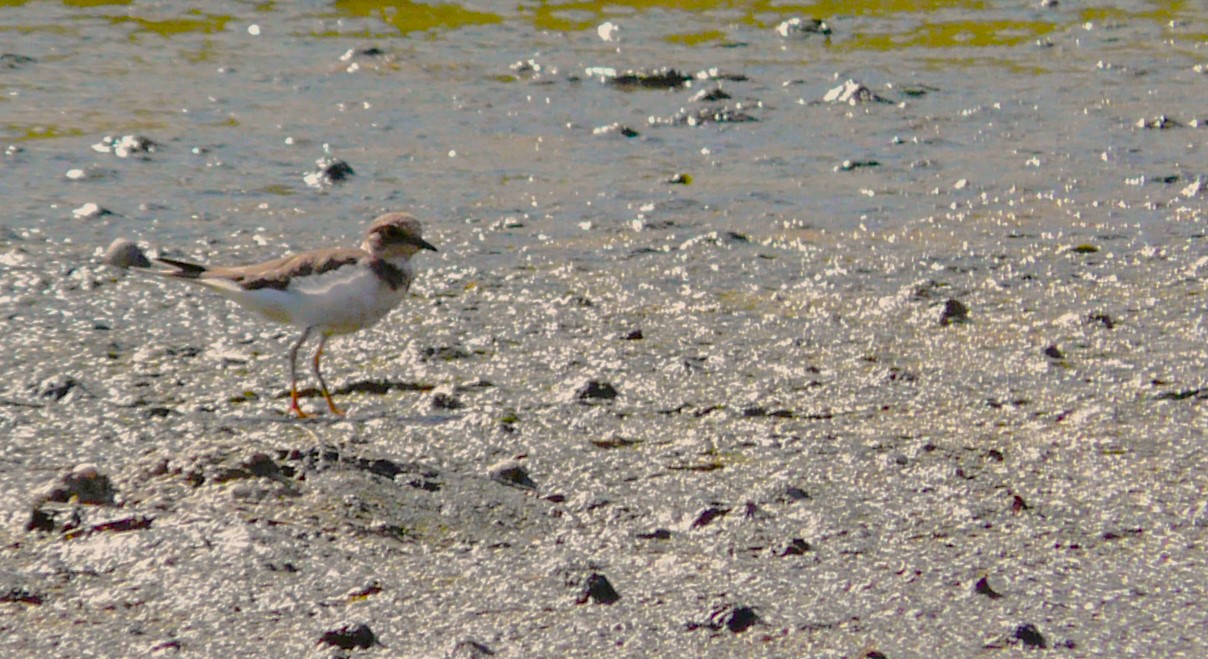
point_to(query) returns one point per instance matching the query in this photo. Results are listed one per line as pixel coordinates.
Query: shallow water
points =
(1039, 164)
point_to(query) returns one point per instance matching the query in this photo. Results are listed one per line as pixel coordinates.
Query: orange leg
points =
(293, 405)
(331, 403)
(293, 374)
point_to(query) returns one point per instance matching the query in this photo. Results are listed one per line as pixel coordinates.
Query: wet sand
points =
(712, 360)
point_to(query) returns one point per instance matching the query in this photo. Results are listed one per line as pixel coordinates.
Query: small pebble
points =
(982, 587)
(954, 311)
(1030, 636)
(596, 390)
(349, 637)
(599, 590)
(470, 649)
(89, 211)
(795, 27)
(510, 473)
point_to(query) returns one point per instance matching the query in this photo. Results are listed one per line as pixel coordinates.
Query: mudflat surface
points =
(720, 355)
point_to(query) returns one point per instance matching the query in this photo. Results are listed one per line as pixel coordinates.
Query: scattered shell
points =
(126, 145)
(89, 211)
(797, 27)
(609, 31)
(852, 93)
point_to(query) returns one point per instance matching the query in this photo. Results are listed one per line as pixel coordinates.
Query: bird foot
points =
(331, 404)
(293, 405)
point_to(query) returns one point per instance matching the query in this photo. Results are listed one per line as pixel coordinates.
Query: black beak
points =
(423, 244)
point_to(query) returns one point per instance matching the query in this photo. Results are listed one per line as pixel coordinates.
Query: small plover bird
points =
(329, 291)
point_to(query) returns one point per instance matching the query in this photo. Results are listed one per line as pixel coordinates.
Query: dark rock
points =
(1116, 535)
(13, 61)
(1030, 636)
(510, 473)
(1101, 319)
(982, 587)
(444, 353)
(598, 590)
(158, 412)
(330, 170)
(615, 441)
(660, 78)
(126, 145)
(737, 619)
(446, 400)
(122, 525)
(708, 516)
(349, 637)
(927, 289)
(322, 458)
(380, 466)
(123, 253)
(633, 335)
(1183, 395)
(41, 520)
(708, 115)
(1053, 352)
(797, 27)
(335, 169)
(184, 352)
(710, 95)
(657, 534)
(469, 649)
(794, 547)
(56, 387)
(84, 484)
(21, 596)
(260, 464)
(378, 387)
(954, 311)
(751, 510)
(849, 165)
(596, 390)
(616, 129)
(795, 493)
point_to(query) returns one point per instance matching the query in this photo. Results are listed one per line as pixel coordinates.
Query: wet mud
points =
(754, 331)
